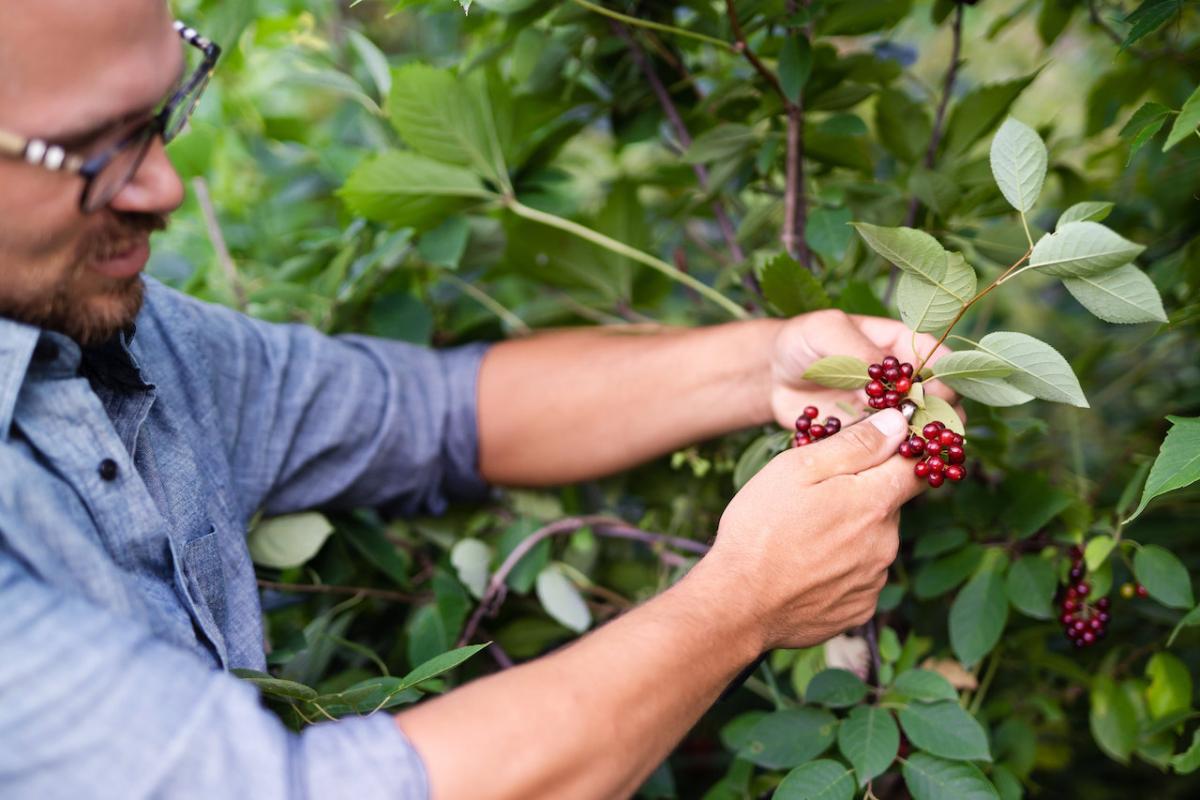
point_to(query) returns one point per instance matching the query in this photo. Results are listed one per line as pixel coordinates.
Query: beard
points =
(82, 304)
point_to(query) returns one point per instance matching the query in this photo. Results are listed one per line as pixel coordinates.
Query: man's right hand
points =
(808, 540)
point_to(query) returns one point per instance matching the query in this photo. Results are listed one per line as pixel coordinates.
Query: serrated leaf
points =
(828, 233)
(909, 249)
(1112, 719)
(561, 599)
(789, 738)
(838, 372)
(978, 616)
(1089, 210)
(795, 65)
(1143, 125)
(1031, 584)
(471, 559)
(979, 111)
(1187, 121)
(937, 409)
(1149, 17)
(817, 780)
(1164, 575)
(931, 778)
(1177, 464)
(1018, 158)
(1038, 368)
(791, 288)
(289, 540)
(929, 306)
(1188, 761)
(925, 685)
(1125, 295)
(945, 729)
(835, 688)
(406, 189)
(1082, 248)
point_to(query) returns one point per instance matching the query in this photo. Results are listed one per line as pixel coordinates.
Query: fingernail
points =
(889, 421)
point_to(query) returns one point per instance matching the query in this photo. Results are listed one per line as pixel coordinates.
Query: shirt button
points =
(45, 351)
(108, 470)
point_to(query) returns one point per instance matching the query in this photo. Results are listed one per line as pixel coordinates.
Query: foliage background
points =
(300, 100)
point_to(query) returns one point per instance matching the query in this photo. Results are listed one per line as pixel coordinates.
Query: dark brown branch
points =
(321, 588)
(795, 198)
(742, 47)
(496, 589)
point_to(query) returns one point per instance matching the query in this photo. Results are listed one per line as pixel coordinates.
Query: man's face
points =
(68, 71)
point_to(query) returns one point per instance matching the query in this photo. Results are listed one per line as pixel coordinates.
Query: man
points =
(140, 430)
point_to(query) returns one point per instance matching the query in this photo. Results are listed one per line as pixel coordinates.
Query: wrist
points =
(728, 605)
(753, 345)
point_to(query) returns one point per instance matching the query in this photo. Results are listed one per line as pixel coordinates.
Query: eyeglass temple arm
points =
(12, 144)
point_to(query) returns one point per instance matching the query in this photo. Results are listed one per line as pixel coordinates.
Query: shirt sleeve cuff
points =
(362, 757)
(463, 481)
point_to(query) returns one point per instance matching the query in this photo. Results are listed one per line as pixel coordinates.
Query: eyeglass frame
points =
(41, 153)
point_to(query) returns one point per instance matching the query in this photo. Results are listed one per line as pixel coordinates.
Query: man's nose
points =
(155, 187)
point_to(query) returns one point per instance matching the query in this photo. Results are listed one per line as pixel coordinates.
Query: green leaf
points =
(937, 409)
(1177, 464)
(444, 245)
(795, 65)
(439, 664)
(1032, 501)
(935, 190)
(839, 372)
(909, 249)
(446, 118)
(523, 576)
(817, 780)
(836, 688)
(406, 189)
(1149, 17)
(1097, 551)
(720, 143)
(1113, 719)
(1038, 368)
(1170, 688)
(1031, 585)
(1143, 125)
(928, 306)
(849, 19)
(930, 778)
(939, 540)
(1190, 619)
(1125, 295)
(903, 124)
(276, 687)
(1083, 212)
(978, 375)
(1187, 121)
(289, 540)
(979, 111)
(978, 615)
(1082, 248)
(791, 288)
(472, 560)
(789, 738)
(379, 551)
(945, 729)
(756, 456)
(1163, 574)
(561, 599)
(1053, 19)
(1019, 159)
(924, 685)
(940, 576)
(828, 234)
(1188, 761)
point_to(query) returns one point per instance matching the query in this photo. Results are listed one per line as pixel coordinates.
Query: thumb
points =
(856, 448)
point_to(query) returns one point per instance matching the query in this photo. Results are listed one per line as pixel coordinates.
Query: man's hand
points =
(807, 338)
(809, 539)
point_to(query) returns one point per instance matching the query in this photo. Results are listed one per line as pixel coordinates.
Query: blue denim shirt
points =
(128, 474)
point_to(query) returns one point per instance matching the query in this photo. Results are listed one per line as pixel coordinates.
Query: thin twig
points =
(321, 588)
(655, 26)
(515, 324)
(873, 647)
(495, 591)
(200, 186)
(742, 47)
(795, 197)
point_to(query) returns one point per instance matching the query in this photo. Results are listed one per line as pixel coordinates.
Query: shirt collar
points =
(17, 342)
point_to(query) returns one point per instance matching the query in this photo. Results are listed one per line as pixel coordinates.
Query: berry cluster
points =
(1084, 622)
(941, 452)
(809, 431)
(889, 384)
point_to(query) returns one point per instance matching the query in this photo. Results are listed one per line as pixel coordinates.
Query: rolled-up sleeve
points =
(93, 706)
(313, 420)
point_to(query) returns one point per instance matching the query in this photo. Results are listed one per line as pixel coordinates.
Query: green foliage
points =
(446, 178)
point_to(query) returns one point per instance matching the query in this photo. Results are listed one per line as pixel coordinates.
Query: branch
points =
(321, 588)
(795, 198)
(495, 591)
(200, 186)
(514, 323)
(654, 26)
(742, 47)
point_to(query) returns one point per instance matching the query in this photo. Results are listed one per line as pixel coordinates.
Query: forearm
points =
(574, 405)
(594, 719)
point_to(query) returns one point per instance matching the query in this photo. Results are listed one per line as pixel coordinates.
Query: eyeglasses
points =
(123, 149)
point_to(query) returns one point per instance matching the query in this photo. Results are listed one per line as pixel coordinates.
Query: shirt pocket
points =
(206, 579)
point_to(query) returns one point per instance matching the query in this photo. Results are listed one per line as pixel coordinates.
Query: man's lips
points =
(125, 261)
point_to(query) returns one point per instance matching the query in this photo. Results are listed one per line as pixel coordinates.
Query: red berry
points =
(1079, 625)
(875, 389)
(931, 431)
(802, 424)
(1088, 637)
(958, 440)
(1069, 604)
(1076, 552)
(1095, 624)
(1102, 604)
(921, 469)
(1083, 589)
(817, 431)
(832, 425)
(890, 362)
(1141, 591)
(946, 438)
(903, 384)
(955, 473)
(811, 412)
(1076, 573)
(875, 402)
(875, 371)
(906, 369)
(935, 464)
(936, 479)
(891, 399)
(801, 440)
(917, 444)
(905, 450)
(1104, 617)
(1065, 619)
(891, 374)
(955, 454)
